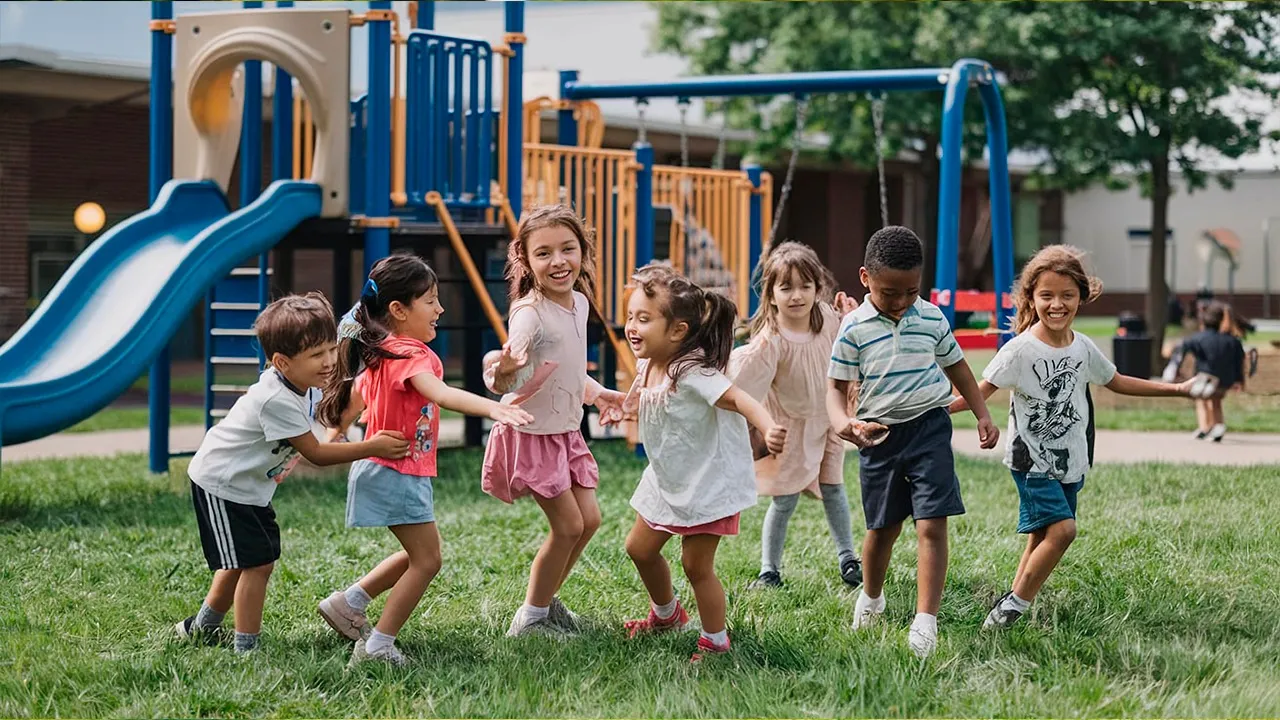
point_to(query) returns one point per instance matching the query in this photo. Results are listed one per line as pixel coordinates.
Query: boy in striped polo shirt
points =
(897, 356)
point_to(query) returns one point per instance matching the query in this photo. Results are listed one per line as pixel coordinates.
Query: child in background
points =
(401, 385)
(550, 266)
(1048, 368)
(1219, 354)
(897, 353)
(242, 459)
(691, 421)
(785, 366)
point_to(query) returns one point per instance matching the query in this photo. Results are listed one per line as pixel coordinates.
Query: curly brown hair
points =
(520, 278)
(1065, 260)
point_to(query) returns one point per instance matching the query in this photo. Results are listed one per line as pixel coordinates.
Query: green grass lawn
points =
(1165, 607)
(130, 418)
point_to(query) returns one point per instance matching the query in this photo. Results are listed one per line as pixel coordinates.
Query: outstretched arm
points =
(435, 390)
(735, 399)
(386, 444)
(1129, 385)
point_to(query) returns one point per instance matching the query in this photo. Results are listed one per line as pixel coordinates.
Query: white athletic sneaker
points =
(1217, 432)
(522, 624)
(343, 618)
(564, 618)
(389, 654)
(867, 612)
(922, 640)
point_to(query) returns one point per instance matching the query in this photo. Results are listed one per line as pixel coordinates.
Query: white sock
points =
(926, 623)
(665, 611)
(378, 641)
(865, 602)
(719, 639)
(1014, 602)
(533, 613)
(357, 598)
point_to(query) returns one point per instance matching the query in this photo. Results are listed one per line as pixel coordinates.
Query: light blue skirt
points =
(378, 496)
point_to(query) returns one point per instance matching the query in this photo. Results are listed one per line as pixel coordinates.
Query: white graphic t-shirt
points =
(245, 456)
(1049, 415)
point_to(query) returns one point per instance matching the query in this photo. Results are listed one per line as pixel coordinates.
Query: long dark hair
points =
(709, 315)
(399, 278)
(520, 278)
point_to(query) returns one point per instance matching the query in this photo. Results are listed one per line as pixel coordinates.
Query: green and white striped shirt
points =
(897, 365)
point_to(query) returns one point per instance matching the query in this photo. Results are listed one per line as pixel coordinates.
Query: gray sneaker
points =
(1001, 616)
(343, 618)
(564, 618)
(521, 624)
(389, 654)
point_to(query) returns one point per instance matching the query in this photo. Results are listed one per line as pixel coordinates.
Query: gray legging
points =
(836, 504)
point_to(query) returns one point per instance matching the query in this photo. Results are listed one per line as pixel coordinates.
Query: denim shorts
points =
(378, 496)
(1044, 500)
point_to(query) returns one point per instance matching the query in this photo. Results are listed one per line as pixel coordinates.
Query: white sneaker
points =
(867, 612)
(389, 654)
(1217, 432)
(922, 640)
(564, 618)
(343, 618)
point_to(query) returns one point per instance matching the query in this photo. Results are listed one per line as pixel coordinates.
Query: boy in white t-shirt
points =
(253, 449)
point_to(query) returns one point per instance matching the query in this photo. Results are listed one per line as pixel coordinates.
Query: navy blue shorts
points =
(912, 473)
(1043, 500)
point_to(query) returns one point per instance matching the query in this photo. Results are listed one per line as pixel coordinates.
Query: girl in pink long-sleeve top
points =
(543, 366)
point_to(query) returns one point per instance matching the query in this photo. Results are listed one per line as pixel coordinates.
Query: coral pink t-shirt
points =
(391, 403)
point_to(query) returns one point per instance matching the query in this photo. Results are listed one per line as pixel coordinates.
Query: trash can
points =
(1131, 346)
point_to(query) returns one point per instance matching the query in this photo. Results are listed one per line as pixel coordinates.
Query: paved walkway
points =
(182, 438)
(1126, 446)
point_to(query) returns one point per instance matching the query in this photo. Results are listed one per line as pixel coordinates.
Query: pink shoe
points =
(706, 647)
(342, 617)
(655, 624)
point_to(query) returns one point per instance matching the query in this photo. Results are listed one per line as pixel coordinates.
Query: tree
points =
(1135, 90)
(737, 37)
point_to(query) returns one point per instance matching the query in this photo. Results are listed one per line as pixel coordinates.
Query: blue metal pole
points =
(282, 120)
(377, 240)
(514, 103)
(251, 160)
(1001, 207)
(948, 252)
(755, 226)
(427, 15)
(567, 126)
(161, 170)
(644, 203)
(773, 84)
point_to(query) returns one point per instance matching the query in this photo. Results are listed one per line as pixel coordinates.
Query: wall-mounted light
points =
(90, 217)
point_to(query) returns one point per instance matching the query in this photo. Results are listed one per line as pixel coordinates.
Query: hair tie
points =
(370, 291)
(349, 328)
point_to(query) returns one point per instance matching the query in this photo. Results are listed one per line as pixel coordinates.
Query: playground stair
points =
(232, 353)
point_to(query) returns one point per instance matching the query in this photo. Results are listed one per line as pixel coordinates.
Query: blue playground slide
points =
(123, 299)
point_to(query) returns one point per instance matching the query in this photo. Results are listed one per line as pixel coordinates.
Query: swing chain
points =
(717, 161)
(641, 104)
(802, 104)
(877, 120)
(683, 104)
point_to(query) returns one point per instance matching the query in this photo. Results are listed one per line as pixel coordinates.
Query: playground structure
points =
(440, 164)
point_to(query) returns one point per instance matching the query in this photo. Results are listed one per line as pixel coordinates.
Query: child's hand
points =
(509, 415)
(512, 359)
(609, 403)
(988, 433)
(775, 439)
(864, 434)
(844, 304)
(1186, 387)
(389, 444)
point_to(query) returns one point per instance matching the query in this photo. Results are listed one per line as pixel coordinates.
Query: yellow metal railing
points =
(718, 202)
(587, 113)
(601, 186)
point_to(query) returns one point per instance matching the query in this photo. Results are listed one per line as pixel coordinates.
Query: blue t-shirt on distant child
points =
(1049, 414)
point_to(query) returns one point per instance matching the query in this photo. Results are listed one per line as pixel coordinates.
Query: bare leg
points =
(549, 564)
(698, 556)
(1045, 557)
(877, 547)
(1034, 538)
(644, 545)
(383, 577)
(590, 511)
(931, 563)
(251, 594)
(422, 543)
(222, 591)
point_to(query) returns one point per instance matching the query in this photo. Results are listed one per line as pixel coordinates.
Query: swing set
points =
(722, 220)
